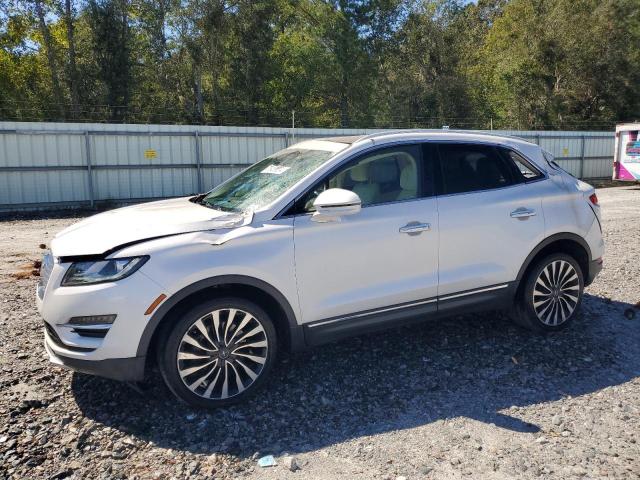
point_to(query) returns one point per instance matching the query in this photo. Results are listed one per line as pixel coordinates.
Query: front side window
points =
(383, 176)
(469, 168)
(262, 183)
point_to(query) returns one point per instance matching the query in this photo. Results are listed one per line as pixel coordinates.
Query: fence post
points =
(538, 139)
(87, 148)
(199, 162)
(582, 157)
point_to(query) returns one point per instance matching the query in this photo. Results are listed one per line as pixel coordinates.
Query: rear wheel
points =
(218, 353)
(551, 295)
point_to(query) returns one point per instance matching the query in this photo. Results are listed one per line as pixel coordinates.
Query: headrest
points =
(408, 177)
(474, 157)
(486, 166)
(359, 173)
(384, 171)
(488, 173)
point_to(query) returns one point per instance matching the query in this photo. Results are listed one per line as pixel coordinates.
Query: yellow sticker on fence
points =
(150, 153)
(565, 152)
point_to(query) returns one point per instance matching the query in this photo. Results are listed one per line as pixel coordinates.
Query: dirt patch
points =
(22, 241)
(608, 183)
(27, 270)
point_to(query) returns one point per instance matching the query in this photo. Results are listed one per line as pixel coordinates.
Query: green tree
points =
(109, 23)
(356, 63)
(72, 72)
(562, 62)
(251, 42)
(50, 50)
(423, 82)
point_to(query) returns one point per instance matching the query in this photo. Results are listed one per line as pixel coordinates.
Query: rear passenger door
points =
(490, 219)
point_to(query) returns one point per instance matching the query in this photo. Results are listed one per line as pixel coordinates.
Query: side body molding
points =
(296, 336)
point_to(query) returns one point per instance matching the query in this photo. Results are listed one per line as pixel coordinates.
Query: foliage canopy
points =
(359, 63)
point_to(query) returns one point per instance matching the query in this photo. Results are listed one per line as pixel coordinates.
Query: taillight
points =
(593, 198)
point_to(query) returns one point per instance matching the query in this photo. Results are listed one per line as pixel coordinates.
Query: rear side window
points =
(470, 168)
(523, 168)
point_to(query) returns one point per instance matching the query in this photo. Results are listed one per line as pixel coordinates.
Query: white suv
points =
(322, 240)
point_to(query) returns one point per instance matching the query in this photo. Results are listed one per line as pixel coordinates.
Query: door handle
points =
(414, 228)
(523, 213)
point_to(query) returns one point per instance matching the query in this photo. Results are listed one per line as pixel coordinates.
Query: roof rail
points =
(371, 136)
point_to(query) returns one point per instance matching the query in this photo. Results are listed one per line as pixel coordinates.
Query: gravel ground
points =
(469, 397)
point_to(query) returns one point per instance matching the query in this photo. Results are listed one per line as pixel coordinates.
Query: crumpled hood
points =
(106, 231)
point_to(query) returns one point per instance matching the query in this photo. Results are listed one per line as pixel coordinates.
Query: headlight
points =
(88, 273)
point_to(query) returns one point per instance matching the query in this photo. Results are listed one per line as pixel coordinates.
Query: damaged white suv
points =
(322, 240)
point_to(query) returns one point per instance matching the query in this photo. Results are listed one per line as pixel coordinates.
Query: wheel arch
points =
(258, 291)
(568, 243)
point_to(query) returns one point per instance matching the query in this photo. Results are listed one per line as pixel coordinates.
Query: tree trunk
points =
(164, 6)
(344, 103)
(125, 39)
(251, 111)
(160, 43)
(73, 72)
(51, 59)
(197, 86)
(215, 67)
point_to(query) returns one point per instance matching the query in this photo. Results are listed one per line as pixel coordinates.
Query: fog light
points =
(90, 320)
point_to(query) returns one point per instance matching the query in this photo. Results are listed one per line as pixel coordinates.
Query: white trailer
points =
(626, 160)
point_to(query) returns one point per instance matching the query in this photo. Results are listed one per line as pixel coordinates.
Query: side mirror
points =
(335, 203)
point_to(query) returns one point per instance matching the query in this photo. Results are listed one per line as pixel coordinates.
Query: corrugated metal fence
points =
(69, 164)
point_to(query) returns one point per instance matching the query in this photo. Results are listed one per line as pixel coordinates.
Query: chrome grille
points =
(45, 273)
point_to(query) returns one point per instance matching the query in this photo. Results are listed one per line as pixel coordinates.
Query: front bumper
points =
(127, 299)
(113, 351)
(123, 369)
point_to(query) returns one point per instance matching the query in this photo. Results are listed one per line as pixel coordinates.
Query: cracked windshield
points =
(265, 181)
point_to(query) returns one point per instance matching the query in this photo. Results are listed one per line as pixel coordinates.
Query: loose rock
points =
(291, 463)
(434, 400)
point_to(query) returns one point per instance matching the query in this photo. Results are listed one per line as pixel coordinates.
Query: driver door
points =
(381, 259)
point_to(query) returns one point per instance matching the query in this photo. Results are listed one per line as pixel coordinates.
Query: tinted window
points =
(468, 168)
(523, 168)
(382, 176)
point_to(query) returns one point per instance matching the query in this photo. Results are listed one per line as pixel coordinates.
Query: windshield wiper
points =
(198, 198)
(214, 206)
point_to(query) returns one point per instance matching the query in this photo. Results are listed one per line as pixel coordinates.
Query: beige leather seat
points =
(368, 192)
(408, 182)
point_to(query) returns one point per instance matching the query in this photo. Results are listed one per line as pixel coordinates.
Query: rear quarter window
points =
(552, 162)
(524, 170)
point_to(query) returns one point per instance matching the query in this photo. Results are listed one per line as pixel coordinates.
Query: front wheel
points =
(551, 295)
(218, 353)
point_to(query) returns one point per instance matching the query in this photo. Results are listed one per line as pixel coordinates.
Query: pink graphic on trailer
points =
(624, 174)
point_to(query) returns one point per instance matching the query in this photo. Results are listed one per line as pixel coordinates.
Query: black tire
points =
(206, 359)
(548, 313)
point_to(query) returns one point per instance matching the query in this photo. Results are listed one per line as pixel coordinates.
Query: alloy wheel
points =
(556, 293)
(222, 353)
